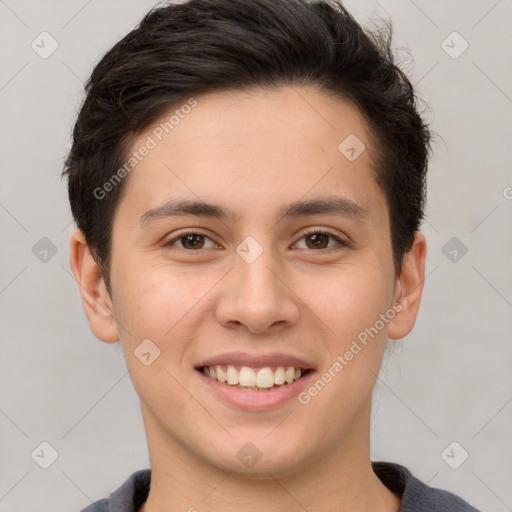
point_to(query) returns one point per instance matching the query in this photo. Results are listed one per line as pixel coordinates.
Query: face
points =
(288, 264)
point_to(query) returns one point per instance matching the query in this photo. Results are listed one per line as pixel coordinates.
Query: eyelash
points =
(313, 231)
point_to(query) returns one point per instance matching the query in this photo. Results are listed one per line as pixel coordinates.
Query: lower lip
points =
(257, 400)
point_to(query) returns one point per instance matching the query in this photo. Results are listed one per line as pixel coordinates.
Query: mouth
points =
(254, 378)
(255, 382)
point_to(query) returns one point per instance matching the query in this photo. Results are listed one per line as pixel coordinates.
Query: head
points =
(212, 140)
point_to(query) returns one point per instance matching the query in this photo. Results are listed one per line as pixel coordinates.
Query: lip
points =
(256, 361)
(250, 400)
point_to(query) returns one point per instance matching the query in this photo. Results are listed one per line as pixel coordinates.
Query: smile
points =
(254, 379)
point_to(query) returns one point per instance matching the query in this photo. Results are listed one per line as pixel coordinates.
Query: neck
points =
(339, 478)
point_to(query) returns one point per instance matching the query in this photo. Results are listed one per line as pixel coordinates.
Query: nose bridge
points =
(257, 296)
(253, 267)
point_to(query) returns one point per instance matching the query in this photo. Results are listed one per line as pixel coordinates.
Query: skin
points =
(254, 152)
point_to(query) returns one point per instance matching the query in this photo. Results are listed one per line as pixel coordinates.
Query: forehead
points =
(255, 147)
(289, 115)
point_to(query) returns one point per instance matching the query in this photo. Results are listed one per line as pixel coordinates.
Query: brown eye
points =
(318, 240)
(190, 241)
(321, 240)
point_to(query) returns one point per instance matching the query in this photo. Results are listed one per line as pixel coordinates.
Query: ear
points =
(409, 287)
(93, 292)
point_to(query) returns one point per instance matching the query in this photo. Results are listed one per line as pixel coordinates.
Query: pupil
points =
(316, 238)
(191, 241)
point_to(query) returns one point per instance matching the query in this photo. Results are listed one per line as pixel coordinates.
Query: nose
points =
(258, 295)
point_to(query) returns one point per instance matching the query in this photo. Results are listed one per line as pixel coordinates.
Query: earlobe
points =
(409, 287)
(93, 293)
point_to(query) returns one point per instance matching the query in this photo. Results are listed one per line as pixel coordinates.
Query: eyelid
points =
(176, 237)
(308, 231)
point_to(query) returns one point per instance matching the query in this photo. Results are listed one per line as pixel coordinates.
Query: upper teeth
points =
(253, 377)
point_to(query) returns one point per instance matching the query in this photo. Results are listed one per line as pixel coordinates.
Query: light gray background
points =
(450, 380)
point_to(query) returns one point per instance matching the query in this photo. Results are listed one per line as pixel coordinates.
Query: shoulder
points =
(417, 496)
(97, 506)
(129, 497)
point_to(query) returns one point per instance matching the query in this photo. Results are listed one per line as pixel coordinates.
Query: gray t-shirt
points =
(416, 496)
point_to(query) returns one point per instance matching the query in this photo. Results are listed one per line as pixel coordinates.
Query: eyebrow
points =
(336, 205)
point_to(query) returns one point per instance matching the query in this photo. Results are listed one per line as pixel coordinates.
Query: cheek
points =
(148, 305)
(351, 307)
(350, 301)
(161, 304)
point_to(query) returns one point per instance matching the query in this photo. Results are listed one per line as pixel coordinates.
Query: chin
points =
(255, 456)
